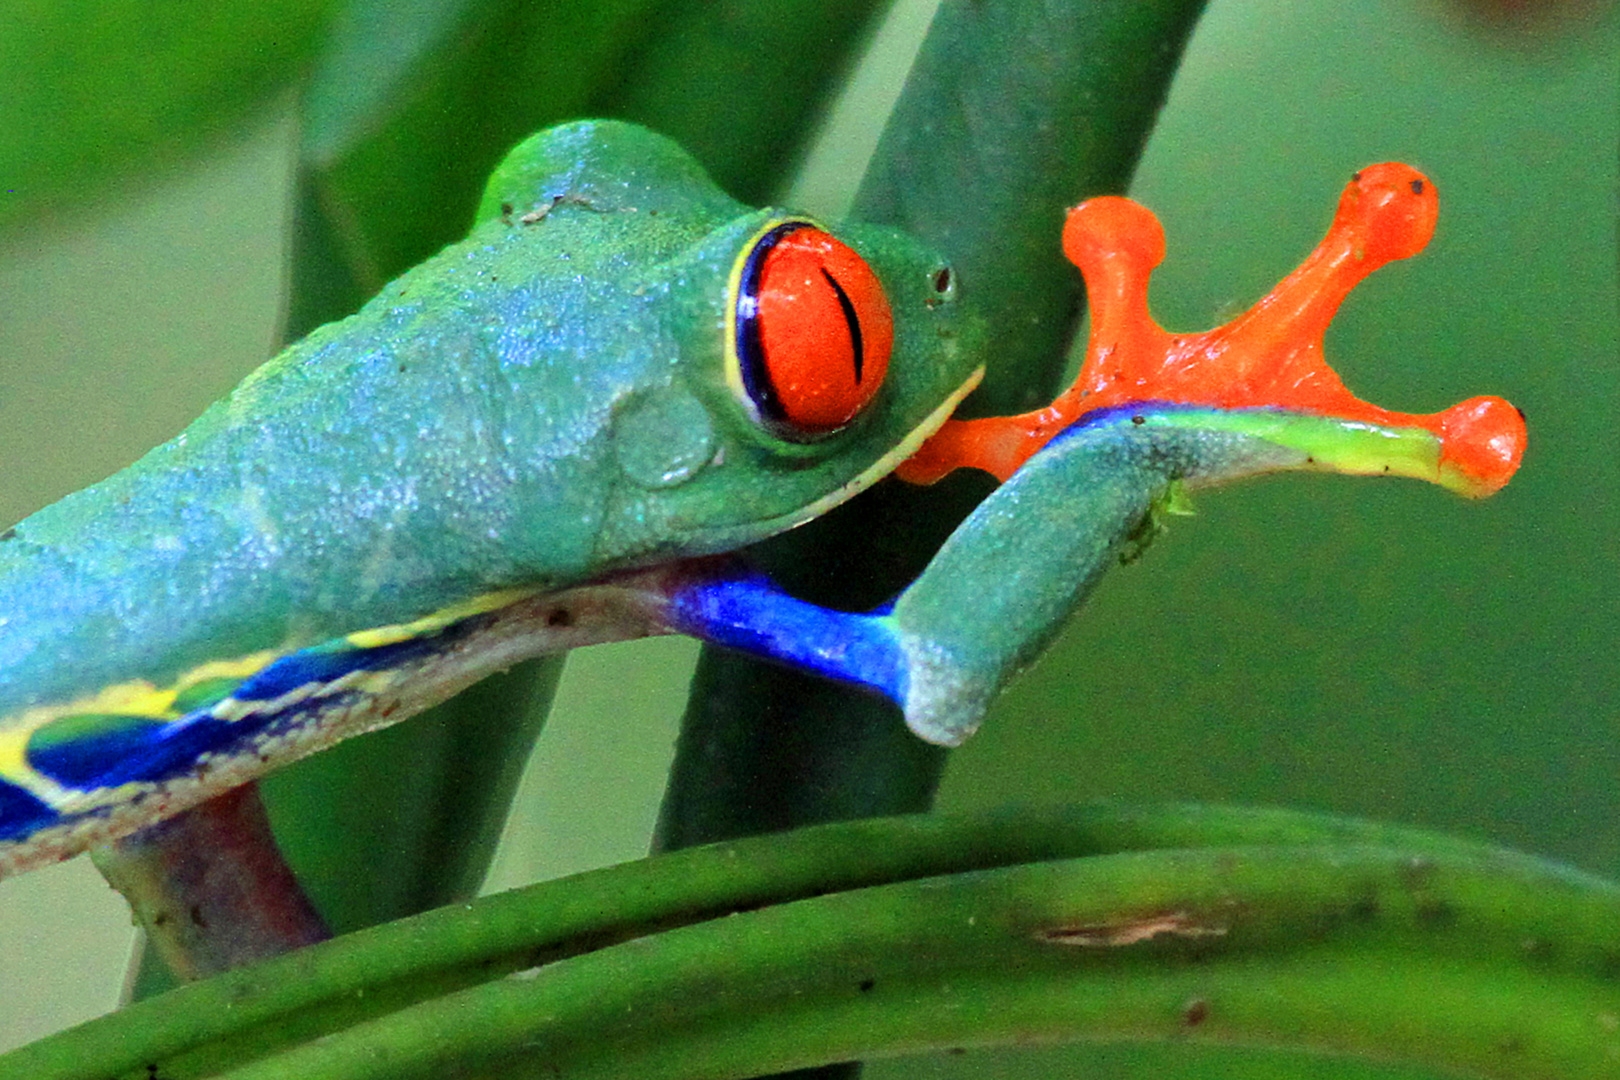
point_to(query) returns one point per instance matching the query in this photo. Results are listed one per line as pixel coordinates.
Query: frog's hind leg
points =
(211, 888)
(156, 775)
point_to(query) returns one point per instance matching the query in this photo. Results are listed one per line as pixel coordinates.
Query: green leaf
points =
(412, 105)
(99, 90)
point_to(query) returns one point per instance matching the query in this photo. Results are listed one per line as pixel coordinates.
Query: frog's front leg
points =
(1011, 574)
(1149, 410)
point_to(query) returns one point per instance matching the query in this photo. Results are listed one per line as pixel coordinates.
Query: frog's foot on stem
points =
(1269, 357)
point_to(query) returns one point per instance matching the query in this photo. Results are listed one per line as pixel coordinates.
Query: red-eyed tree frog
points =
(552, 433)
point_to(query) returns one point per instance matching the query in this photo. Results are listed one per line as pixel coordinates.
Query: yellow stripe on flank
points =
(13, 759)
(438, 620)
(240, 668)
(138, 697)
(14, 769)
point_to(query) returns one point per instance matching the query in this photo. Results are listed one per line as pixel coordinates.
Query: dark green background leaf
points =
(102, 90)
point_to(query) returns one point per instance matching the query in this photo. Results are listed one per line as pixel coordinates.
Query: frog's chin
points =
(886, 464)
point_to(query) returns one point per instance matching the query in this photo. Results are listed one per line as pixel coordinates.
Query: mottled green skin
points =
(536, 405)
(1049, 534)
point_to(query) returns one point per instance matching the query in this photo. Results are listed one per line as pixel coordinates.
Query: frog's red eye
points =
(813, 330)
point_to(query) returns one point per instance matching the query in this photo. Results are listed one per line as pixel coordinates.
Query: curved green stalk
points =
(1348, 950)
(726, 960)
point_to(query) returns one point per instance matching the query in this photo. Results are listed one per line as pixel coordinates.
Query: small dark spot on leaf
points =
(957, 1051)
(1310, 459)
(1195, 1012)
(1417, 187)
(1365, 910)
(1436, 914)
(867, 985)
(161, 919)
(402, 369)
(197, 919)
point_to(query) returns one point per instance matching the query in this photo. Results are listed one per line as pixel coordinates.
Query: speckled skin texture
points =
(495, 417)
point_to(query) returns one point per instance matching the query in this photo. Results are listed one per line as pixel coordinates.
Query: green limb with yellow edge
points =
(1090, 498)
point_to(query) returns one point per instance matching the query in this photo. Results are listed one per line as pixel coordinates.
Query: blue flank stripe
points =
(1101, 417)
(171, 749)
(21, 814)
(80, 762)
(750, 613)
(326, 663)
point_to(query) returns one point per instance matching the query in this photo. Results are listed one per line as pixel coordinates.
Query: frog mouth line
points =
(891, 460)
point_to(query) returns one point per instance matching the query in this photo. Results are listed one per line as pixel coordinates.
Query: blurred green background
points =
(1380, 649)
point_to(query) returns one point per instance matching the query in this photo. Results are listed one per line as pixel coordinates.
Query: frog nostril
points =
(942, 279)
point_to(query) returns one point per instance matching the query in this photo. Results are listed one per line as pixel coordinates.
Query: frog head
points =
(770, 365)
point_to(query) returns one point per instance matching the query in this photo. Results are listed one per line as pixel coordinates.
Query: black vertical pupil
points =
(852, 321)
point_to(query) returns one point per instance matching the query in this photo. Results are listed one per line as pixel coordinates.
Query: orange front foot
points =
(1270, 356)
